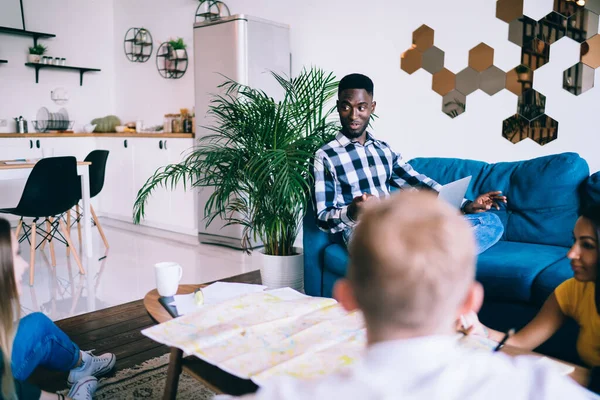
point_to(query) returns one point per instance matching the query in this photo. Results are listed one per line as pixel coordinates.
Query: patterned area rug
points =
(147, 381)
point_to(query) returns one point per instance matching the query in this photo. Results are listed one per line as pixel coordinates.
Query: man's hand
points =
(357, 204)
(485, 202)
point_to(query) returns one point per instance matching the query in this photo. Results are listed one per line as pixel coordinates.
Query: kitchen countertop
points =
(158, 135)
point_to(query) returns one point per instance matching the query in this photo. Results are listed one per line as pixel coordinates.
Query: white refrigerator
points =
(245, 49)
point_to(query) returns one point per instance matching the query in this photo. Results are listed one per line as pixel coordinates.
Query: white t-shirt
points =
(432, 368)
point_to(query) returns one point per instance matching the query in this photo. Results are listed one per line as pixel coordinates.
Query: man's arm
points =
(331, 217)
(405, 177)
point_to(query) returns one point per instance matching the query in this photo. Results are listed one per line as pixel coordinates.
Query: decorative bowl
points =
(120, 128)
(89, 128)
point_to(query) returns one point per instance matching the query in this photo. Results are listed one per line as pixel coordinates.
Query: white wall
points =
(84, 36)
(340, 35)
(141, 92)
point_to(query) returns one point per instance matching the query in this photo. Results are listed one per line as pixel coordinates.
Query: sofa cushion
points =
(550, 278)
(336, 259)
(542, 193)
(590, 191)
(508, 269)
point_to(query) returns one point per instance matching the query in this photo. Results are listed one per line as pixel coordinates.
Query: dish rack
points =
(49, 125)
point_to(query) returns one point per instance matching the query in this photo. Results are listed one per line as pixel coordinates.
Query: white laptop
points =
(454, 192)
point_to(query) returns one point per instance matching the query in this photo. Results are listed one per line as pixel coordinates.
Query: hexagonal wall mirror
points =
(535, 54)
(531, 104)
(543, 130)
(509, 10)
(423, 38)
(590, 51)
(578, 79)
(411, 60)
(433, 60)
(492, 80)
(481, 57)
(582, 25)
(522, 30)
(467, 81)
(515, 128)
(551, 28)
(519, 79)
(444, 82)
(454, 104)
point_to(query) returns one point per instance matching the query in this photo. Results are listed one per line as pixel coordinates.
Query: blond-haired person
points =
(412, 274)
(35, 340)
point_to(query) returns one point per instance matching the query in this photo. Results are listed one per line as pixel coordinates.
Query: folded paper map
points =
(280, 332)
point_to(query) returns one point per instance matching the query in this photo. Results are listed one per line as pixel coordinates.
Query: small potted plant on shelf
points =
(177, 49)
(36, 52)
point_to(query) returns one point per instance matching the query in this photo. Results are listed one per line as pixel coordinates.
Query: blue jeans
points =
(487, 228)
(39, 342)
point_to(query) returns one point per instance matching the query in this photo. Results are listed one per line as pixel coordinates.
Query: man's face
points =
(355, 107)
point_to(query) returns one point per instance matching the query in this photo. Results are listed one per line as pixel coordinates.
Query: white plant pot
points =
(180, 54)
(281, 271)
(33, 58)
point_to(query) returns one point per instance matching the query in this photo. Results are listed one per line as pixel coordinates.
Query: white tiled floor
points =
(126, 274)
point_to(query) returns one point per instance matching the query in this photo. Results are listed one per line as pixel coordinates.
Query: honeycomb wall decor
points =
(576, 20)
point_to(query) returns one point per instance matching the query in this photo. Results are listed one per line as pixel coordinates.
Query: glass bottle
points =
(167, 124)
(176, 125)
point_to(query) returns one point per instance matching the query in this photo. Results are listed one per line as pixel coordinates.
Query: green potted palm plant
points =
(257, 160)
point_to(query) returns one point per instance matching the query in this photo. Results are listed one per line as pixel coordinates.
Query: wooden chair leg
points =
(100, 230)
(69, 227)
(173, 373)
(79, 222)
(52, 254)
(67, 236)
(19, 227)
(32, 254)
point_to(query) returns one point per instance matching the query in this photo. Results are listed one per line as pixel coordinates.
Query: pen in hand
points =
(504, 339)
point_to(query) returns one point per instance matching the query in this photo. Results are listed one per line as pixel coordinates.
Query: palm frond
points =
(257, 157)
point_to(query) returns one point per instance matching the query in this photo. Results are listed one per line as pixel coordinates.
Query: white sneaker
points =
(84, 389)
(92, 366)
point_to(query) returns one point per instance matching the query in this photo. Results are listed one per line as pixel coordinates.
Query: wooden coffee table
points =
(223, 382)
(214, 378)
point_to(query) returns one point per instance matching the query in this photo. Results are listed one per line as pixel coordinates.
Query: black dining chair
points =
(97, 173)
(51, 190)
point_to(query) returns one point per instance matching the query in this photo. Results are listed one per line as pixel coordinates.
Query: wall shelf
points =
(3, 61)
(23, 32)
(81, 70)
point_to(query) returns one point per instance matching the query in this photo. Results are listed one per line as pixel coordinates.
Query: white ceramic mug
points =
(168, 275)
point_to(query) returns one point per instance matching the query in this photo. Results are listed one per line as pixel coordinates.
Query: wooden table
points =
(83, 171)
(214, 378)
(220, 381)
(580, 375)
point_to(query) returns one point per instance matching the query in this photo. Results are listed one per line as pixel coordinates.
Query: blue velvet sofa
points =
(520, 271)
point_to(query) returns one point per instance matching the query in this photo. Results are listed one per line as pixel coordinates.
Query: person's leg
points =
(487, 228)
(40, 342)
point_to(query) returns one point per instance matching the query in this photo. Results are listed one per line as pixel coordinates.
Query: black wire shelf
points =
(3, 61)
(81, 70)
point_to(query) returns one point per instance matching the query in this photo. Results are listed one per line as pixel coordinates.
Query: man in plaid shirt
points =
(356, 168)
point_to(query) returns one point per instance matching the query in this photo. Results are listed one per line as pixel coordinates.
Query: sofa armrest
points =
(314, 243)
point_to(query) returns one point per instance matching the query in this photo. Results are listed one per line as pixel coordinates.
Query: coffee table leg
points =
(173, 374)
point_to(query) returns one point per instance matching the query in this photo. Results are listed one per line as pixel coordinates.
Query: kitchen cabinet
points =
(128, 169)
(15, 148)
(131, 161)
(117, 196)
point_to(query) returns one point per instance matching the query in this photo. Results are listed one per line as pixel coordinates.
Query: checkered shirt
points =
(344, 169)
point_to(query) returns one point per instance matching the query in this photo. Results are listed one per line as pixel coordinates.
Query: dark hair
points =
(356, 81)
(592, 213)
